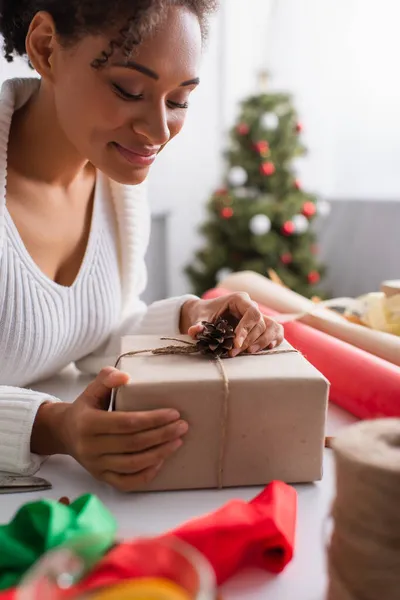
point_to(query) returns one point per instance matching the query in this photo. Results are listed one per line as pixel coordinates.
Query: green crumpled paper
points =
(86, 526)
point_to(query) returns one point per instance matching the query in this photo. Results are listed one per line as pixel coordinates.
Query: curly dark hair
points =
(131, 19)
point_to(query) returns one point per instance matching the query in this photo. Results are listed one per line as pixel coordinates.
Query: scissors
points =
(10, 484)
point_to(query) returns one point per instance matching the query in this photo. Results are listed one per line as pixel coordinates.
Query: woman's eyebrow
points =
(152, 74)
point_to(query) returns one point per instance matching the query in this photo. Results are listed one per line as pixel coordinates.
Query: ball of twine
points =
(364, 551)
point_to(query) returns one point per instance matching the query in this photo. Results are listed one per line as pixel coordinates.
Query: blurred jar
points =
(169, 570)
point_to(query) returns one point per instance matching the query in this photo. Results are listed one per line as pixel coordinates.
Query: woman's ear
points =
(41, 42)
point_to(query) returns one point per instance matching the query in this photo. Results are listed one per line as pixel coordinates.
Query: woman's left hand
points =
(254, 331)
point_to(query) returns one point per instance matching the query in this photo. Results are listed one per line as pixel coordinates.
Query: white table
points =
(151, 514)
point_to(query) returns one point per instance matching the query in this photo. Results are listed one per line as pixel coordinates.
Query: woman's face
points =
(120, 116)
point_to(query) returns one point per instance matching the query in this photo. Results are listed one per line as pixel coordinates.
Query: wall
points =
(339, 58)
(246, 31)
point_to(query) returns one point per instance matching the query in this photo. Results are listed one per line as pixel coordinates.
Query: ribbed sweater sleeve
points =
(18, 408)
(159, 318)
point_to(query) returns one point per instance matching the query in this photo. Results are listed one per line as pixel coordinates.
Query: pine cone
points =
(216, 339)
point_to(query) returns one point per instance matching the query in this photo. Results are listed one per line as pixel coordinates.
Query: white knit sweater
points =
(44, 326)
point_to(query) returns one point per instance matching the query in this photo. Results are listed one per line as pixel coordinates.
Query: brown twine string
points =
(191, 348)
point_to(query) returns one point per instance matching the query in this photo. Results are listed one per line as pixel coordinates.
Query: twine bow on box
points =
(214, 342)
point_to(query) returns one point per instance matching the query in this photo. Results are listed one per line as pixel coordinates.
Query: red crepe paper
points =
(363, 384)
(259, 533)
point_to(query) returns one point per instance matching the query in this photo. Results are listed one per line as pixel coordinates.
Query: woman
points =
(76, 146)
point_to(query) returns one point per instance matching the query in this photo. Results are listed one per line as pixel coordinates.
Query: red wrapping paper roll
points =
(363, 384)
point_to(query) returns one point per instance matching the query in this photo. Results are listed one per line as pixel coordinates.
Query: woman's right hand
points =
(124, 449)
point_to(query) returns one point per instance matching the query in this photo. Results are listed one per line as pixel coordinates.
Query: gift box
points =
(253, 419)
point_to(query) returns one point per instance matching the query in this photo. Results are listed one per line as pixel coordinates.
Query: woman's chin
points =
(125, 175)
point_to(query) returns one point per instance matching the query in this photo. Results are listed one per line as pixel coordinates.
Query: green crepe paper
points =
(86, 526)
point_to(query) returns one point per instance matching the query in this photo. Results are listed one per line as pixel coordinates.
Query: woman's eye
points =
(119, 91)
(182, 105)
(124, 94)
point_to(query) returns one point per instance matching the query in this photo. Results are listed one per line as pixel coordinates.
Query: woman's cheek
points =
(177, 122)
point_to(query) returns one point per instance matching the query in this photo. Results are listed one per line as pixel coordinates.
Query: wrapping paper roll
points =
(363, 384)
(283, 300)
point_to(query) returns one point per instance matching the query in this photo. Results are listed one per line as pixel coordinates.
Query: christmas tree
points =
(261, 219)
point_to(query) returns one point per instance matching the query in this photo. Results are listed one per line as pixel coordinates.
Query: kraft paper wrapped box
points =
(265, 422)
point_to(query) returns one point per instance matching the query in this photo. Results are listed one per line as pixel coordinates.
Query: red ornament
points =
(313, 277)
(299, 127)
(243, 129)
(227, 212)
(287, 258)
(267, 168)
(288, 228)
(309, 209)
(221, 192)
(262, 148)
(297, 184)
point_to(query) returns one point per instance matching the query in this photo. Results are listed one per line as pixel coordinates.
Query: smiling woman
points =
(118, 75)
(75, 148)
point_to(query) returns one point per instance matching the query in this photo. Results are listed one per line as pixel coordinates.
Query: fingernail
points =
(235, 353)
(182, 428)
(254, 349)
(177, 444)
(173, 415)
(159, 466)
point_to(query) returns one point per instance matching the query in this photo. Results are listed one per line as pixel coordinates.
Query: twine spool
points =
(364, 552)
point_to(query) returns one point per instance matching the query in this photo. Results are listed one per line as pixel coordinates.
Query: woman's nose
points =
(154, 125)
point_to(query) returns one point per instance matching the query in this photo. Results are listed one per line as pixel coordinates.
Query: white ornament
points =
(237, 176)
(323, 208)
(269, 121)
(223, 274)
(260, 225)
(301, 223)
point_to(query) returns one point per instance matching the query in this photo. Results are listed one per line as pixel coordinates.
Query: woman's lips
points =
(140, 158)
